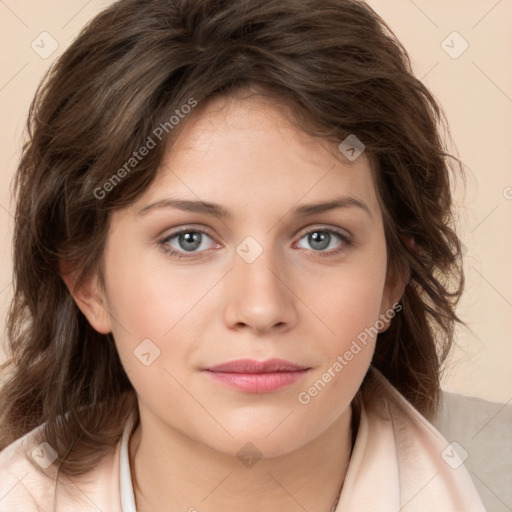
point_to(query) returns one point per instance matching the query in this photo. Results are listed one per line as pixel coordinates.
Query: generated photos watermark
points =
(305, 397)
(151, 142)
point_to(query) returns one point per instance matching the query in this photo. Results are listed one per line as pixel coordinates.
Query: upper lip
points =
(253, 366)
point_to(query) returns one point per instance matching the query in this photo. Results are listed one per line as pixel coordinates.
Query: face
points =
(260, 276)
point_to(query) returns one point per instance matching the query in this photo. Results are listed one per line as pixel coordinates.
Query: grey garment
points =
(480, 430)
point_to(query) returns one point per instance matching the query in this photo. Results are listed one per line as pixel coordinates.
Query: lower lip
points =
(258, 382)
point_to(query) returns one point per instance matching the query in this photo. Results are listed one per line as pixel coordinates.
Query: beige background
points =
(475, 90)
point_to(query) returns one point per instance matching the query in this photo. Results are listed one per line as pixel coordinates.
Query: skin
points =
(294, 302)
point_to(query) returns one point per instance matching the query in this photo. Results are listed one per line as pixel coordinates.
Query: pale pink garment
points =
(399, 463)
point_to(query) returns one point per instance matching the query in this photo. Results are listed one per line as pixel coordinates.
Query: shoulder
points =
(429, 471)
(30, 481)
(26, 480)
(481, 430)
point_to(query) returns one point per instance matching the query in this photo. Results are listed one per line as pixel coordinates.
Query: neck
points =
(170, 471)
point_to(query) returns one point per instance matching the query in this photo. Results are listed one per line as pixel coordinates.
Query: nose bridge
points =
(260, 297)
(257, 269)
(259, 272)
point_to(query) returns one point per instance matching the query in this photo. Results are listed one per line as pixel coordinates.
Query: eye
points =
(186, 241)
(189, 243)
(322, 239)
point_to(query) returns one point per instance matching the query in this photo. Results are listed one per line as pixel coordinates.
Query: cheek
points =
(146, 296)
(158, 314)
(347, 301)
(350, 308)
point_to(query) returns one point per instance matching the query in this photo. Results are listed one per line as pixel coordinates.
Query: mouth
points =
(253, 376)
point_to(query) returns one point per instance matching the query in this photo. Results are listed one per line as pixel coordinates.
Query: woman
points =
(235, 269)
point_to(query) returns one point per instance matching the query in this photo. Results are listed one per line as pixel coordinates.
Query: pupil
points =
(319, 239)
(190, 240)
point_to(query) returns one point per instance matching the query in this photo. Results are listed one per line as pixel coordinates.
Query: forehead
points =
(238, 150)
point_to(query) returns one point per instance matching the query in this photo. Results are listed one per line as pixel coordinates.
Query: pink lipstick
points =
(254, 376)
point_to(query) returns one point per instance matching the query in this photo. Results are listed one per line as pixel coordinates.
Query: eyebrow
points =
(221, 212)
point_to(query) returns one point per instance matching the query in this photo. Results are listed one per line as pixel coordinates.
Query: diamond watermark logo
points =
(454, 45)
(147, 352)
(44, 45)
(454, 455)
(249, 250)
(249, 455)
(352, 147)
(44, 455)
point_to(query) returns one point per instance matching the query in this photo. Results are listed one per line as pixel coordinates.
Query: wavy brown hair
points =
(340, 68)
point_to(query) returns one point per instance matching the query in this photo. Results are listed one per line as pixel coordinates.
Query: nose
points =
(260, 295)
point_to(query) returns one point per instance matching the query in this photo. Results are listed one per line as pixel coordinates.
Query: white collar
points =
(126, 488)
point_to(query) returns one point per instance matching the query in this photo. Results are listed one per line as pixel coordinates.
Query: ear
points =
(393, 291)
(89, 297)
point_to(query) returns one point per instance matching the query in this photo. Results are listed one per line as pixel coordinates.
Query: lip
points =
(254, 366)
(254, 376)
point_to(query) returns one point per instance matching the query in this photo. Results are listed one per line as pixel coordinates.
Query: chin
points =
(249, 447)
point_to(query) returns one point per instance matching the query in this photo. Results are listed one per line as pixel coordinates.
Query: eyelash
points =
(347, 242)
